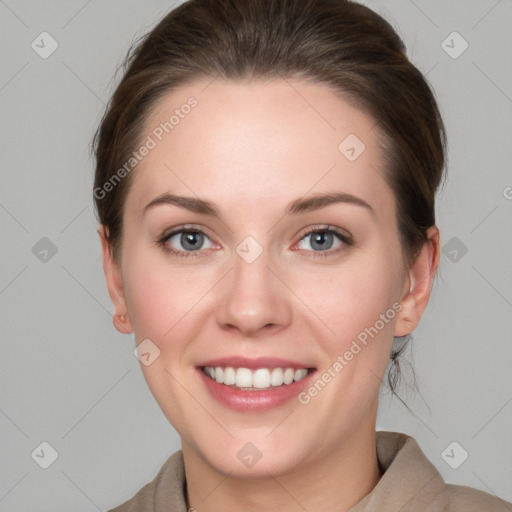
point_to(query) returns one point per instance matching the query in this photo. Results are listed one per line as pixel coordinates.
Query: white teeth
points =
(229, 376)
(243, 378)
(288, 375)
(300, 374)
(261, 378)
(277, 377)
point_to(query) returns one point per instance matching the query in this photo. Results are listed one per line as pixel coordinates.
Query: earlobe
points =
(418, 284)
(113, 277)
(122, 323)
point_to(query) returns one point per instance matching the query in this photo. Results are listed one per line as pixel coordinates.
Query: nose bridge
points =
(253, 298)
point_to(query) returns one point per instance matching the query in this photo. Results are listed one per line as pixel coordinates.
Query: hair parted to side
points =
(339, 43)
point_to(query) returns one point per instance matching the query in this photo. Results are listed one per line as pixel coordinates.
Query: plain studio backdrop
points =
(72, 388)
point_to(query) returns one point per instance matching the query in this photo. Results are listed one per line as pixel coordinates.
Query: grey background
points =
(70, 379)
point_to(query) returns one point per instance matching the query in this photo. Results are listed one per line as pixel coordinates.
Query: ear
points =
(418, 284)
(114, 280)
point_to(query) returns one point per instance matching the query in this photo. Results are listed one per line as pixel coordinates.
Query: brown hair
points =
(340, 43)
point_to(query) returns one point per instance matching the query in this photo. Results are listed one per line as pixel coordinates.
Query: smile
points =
(253, 380)
(254, 385)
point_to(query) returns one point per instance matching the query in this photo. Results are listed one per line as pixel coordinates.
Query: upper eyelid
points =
(325, 227)
(174, 231)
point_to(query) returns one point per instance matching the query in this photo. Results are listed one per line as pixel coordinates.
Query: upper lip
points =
(254, 363)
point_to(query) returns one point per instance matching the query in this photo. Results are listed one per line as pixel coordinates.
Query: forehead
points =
(259, 142)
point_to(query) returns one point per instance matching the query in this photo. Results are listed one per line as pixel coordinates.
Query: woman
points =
(265, 186)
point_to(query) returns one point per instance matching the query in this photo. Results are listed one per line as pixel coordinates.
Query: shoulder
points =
(455, 498)
(164, 492)
(411, 483)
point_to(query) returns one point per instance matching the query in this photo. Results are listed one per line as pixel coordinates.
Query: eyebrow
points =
(301, 205)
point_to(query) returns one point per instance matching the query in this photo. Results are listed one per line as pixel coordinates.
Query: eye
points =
(188, 242)
(184, 242)
(325, 241)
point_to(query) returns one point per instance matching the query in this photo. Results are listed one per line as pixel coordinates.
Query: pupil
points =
(320, 239)
(190, 241)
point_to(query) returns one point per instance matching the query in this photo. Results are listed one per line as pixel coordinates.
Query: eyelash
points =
(343, 237)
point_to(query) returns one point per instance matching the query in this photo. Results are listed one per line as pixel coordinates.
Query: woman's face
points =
(273, 280)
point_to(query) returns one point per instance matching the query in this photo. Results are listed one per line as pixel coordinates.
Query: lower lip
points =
(254, 401)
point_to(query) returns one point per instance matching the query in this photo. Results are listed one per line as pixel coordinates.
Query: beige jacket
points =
(410, 483)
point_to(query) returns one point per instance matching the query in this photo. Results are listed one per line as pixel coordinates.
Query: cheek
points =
(165, 299)
(352, 297)
(358, 303)
(150, 302)
(164, 303)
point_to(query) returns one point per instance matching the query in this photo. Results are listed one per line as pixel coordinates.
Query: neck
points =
(335, 481)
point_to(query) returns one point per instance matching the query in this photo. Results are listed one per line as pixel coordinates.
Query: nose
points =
(254, 300)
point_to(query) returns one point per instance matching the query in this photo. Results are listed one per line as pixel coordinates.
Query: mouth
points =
(246, 379)
(254, 385)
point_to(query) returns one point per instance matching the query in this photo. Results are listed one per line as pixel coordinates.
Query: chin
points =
(252, 456)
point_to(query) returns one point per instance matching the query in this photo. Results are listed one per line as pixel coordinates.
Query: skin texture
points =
(252, 147)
